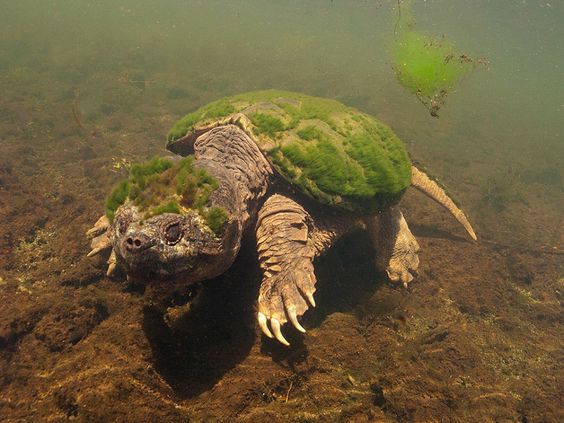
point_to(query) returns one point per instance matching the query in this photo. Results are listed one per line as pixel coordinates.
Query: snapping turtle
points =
(299, 171)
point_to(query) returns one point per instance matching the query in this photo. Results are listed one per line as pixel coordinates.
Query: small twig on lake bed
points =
(289, 389)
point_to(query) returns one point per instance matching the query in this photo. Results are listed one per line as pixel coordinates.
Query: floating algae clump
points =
(163, 186)
(427, 66)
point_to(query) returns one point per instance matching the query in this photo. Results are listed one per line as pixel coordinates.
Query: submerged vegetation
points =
(502, 189)
(266, 124)
(162, 186)
(215, 110)
(427, 66)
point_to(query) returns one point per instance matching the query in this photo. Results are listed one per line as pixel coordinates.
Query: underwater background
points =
(89, 87)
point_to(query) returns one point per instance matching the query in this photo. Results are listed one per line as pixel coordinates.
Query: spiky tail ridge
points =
(431, 189)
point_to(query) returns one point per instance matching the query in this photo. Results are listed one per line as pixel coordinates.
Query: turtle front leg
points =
(101, 241)
(396, 247)
(288, 240)
(286, 254)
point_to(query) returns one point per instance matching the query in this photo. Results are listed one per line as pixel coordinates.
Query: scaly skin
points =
(397, 247)
(288, 240)
(289, 236)
(140, 245)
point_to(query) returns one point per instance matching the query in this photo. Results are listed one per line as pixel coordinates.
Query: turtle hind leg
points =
(396, 247)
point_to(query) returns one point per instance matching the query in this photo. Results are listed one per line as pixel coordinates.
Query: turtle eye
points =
(173, 234)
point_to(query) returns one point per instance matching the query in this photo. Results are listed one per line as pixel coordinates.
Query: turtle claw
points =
(99, 234)
(291, 311)
(101, 226)
(100, 243)
(276, 324)
(398, 248)
(283, 299)
(112, 261)
(93, 252)
(277, 332)
(309, 296)
(402, 266)
(263, 323)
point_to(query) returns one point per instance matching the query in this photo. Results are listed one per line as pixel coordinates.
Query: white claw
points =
(277, 333)
(406, 277)
(94, 252)
(263, 324)
(309, 296)
(100, 226)
(294, 319)
(111, 263)
(111, 269)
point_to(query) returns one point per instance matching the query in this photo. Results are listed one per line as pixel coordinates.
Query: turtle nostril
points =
(136, 243)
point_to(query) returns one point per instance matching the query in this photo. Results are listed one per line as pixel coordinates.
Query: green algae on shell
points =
(331, 152)
(163, 186)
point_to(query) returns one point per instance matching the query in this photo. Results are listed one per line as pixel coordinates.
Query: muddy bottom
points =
(476, 337)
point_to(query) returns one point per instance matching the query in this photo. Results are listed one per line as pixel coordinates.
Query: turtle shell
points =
(332, 153)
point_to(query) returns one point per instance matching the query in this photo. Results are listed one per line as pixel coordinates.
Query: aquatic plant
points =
(163, 186)
(501, 189)
(309, 133)
(427, 66)
(266, 124)
(216, 109)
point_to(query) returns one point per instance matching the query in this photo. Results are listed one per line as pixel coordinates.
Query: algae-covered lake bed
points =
(88, 88)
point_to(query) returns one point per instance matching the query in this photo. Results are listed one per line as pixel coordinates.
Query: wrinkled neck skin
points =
(233, 158)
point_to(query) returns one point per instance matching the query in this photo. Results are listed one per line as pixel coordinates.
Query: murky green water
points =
(120, 70)
(508, 120)
(330, 48)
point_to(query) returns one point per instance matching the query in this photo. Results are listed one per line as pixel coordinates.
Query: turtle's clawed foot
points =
(284, 296)
(400, 270)
(404, 260)
(396, 246)
(101, 226)
(100, 237)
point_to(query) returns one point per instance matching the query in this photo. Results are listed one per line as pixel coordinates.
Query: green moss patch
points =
(163, 186)
(266, 124)
(356, 175)
(309, 108)
(309, 133)
(216, 218)
(214, 110)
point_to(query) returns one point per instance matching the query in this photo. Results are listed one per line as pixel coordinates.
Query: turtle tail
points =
(431, 189)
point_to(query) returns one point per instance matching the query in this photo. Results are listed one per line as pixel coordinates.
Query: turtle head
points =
(166, 220)
(169, 244)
